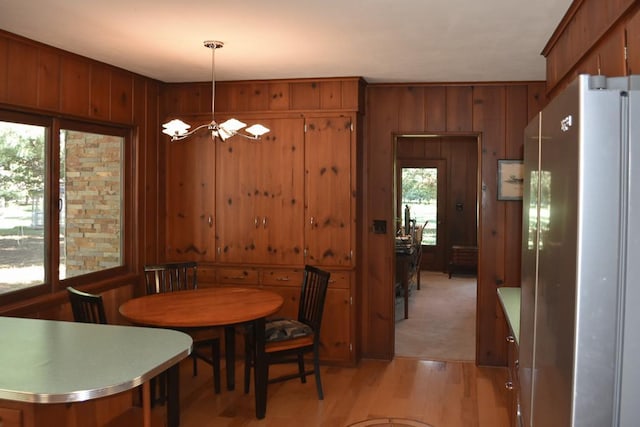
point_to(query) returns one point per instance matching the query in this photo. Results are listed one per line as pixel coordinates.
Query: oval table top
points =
(202, 307)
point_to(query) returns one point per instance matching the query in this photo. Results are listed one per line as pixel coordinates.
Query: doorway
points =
(442, 312)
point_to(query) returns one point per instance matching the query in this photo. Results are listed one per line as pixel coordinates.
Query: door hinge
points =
(350, 347)
(351, 126)
(350, 300)
(626, 56)
(305, 128)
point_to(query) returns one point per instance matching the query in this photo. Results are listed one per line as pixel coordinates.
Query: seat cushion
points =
(285, 329)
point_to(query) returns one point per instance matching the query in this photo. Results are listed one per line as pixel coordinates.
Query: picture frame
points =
(510, 179)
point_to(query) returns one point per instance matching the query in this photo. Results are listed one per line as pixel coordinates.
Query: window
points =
(420, 195)
(70, 233)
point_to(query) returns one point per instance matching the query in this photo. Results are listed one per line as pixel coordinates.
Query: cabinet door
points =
(282, 186)
(329, 192)
(260, 194)
(190, 199)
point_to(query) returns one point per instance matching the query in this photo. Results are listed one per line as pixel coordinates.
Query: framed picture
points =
(510, 179)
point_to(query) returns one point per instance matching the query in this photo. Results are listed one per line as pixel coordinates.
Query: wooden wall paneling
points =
(435, 111)
(489, 119)
(330, 95)
(121, 97)
(459, 109)
(48, 80)
(4, 69)
(377, 307)
(278, 96)
(305, 95)
(633, 44)
(411, 114)
(188, 98)
(100, 92)
(23, 74)
(151, 213)
(75, 86)
(516, 121)
(462, 164)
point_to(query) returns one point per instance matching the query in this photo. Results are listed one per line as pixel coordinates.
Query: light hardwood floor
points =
(442, 394)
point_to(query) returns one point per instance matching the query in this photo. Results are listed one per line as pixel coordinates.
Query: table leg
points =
(146, 404)
(260, 369)
(230, 355)
(173, 396)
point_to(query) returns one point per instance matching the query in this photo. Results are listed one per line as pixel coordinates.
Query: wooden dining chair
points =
(182, 276)
(86, 308)
(289, 340)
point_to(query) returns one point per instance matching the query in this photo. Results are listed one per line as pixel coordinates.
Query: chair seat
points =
(285, 329)
(275, 346)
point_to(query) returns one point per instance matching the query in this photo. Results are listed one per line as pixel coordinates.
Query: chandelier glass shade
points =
(177, 129)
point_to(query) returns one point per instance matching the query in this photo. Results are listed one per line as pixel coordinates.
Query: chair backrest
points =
(174, 276)
(86, 308)
(314, 291)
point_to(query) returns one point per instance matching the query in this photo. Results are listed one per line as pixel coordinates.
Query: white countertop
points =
(510, 300)
(46, 361)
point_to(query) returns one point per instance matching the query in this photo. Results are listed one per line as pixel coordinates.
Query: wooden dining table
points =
(219, 306)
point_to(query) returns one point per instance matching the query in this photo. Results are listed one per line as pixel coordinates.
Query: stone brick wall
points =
(92, 214)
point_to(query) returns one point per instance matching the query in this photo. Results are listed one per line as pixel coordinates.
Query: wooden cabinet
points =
(513, 383)
(329, 185)
(190, 202)
(10, 417)
(253, 213)
(259, 191)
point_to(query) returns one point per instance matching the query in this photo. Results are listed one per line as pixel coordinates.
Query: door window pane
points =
(420, 194)
(22, 178)
(91, 203)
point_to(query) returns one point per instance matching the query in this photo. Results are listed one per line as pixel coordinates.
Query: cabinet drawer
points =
(340, 279)
(10, 417)
(282, 277)
(237, 276)
(206, 276)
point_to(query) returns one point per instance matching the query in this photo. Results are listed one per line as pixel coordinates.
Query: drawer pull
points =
(510, 338)
(235, 277)
(283, 279)
(508, 385)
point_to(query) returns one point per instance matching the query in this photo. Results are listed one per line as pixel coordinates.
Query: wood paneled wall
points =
(591, 39)
(495, 114)
(36, 78)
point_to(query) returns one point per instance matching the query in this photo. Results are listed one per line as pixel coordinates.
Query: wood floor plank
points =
(442, 394)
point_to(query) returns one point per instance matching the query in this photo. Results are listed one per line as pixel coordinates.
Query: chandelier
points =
(177, 129)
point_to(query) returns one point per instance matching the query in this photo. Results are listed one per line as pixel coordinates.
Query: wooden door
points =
(329, 192)
(431, 216)
(260, 193)
(237, 176)
(282, 202)
(190, 199)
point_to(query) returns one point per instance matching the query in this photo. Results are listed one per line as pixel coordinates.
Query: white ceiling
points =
(380, 40)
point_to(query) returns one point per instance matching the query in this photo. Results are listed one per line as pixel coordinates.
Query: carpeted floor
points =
(442, 319)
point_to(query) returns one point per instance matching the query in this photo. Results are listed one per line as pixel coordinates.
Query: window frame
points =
(52, 282)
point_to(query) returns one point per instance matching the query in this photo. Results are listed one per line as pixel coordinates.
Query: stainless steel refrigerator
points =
(579, 344)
